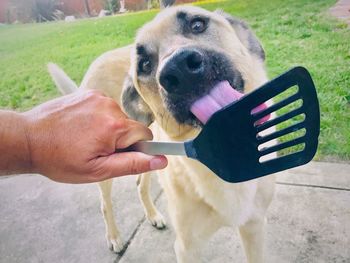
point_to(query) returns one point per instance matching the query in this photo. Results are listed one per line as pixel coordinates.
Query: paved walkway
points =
(42, 221)
(341, 10)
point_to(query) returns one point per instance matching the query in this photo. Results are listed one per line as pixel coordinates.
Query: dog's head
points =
(179, 57)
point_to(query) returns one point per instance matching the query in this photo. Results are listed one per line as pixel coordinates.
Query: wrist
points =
(14, 144)
(28, 144)
(34, 140)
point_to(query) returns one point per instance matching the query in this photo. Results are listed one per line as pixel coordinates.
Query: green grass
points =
(293, 32)
(26, 49)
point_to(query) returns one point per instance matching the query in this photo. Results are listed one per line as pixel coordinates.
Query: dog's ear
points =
(134, 106)
(245, 34)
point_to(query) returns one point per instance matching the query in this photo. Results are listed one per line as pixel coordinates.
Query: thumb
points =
(126, 163)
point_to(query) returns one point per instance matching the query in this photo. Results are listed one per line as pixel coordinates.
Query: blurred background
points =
(26, 11)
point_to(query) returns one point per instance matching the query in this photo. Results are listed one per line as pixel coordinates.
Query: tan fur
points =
(107, 72)
(199, 202)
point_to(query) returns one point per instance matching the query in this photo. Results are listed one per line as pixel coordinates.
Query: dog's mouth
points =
(221, 95)
(197, 97)
(197, 107)
(219, 85)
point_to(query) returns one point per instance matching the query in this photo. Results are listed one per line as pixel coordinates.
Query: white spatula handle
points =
(159, 148)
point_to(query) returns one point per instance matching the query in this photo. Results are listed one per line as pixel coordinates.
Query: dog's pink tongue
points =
(220, 96)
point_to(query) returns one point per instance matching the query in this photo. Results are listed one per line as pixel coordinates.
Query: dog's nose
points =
(182, 71)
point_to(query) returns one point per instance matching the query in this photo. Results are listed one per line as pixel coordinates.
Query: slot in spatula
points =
(230, 143)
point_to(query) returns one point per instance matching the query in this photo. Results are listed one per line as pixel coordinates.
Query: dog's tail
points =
(63, 82)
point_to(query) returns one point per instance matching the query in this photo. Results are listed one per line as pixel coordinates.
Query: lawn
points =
(293, 32)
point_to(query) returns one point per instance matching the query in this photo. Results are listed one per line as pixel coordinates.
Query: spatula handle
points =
(159, 148)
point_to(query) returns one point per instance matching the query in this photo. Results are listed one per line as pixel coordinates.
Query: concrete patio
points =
(43, 221)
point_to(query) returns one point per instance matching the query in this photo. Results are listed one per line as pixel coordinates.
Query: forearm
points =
(14, 146)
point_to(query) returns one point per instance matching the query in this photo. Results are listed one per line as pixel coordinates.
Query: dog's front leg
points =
(194, 223)
(114, 241)
(186, 254)
(252, 235)
(151, 212)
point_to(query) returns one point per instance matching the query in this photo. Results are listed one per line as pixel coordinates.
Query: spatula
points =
(230, 143)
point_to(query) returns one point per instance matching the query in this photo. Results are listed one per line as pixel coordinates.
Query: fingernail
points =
(158, 163)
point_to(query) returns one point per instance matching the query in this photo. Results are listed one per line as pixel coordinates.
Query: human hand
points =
(73, 139)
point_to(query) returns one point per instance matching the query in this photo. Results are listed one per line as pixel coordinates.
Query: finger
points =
(120, 164)
(133, 133)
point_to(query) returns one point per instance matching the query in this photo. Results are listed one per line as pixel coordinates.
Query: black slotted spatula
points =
(230, 142)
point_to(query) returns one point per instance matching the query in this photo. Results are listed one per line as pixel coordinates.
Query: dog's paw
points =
(157, 221)
(116, 245)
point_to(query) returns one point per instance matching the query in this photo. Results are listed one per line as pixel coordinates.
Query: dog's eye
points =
(198, 25)
(145, 66)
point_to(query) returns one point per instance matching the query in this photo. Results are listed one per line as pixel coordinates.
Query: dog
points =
(176, 58)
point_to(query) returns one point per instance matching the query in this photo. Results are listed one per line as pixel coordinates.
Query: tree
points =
(29, 10)
(166, 3)
(43, 10)
(159, 3)
(87, 7)
(112, 5)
